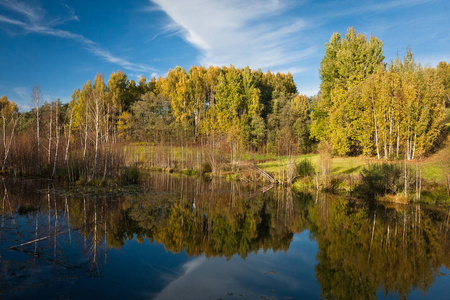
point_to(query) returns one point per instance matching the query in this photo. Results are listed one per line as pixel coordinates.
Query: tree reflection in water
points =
(361, 249)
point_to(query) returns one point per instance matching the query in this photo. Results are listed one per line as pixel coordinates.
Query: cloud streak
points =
(22, 92)
(260, 33)
(33, 20)
(253, 32)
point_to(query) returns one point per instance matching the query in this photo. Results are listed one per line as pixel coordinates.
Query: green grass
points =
(273, 164)
(277, 162)
(340, 165)
(431, 168)
(349, 165)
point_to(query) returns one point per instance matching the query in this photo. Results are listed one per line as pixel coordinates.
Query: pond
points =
(183, 238)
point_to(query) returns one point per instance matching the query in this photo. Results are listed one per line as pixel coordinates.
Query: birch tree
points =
(36, 96)
(346, 64)
(10, 117)
(97, 113)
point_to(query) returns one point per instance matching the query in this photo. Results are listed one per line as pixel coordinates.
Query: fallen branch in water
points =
(38, 240)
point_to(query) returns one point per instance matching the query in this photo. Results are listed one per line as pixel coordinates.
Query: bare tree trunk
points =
(50, 134)
(4, 129)
(57, 137)
(36, 97)
(69, 136)
(4, 137)
(385, 139)
(97, 133)
(408, 145)
(390, 135)
(85, 129)
(107, 144)
(376, 127)
(8, 146)
(398, 137)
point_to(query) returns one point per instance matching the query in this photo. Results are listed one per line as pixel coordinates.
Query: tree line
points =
(229, 109)
(364, 106)
(239, 107)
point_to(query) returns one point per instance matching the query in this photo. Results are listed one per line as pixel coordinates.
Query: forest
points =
(207, 118)
(217, 109)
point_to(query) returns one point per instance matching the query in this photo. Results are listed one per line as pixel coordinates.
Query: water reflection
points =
(218, 219)
(392, 249)
(363, 252)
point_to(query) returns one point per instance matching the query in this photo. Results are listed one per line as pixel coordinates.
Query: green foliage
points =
(347, 62)
(258, 131)
(366, 108)
(288, 124)
(381, 179)
(385, 178)
(129, 175)
(151, 118)
(189, 172)
(305, 168)
(206, 168)
(443, 70)
(363, 108)
(228, 102)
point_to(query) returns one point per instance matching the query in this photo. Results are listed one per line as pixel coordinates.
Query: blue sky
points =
(60, 44)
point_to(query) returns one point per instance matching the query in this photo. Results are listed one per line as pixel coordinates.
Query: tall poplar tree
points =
(347, 63)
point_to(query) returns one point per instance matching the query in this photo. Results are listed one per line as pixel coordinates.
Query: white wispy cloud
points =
(254, 32)
(259, 33)
(193, 264)
(33, 19)
(22, 92)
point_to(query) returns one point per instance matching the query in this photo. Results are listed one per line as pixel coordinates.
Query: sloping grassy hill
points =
(432, 167)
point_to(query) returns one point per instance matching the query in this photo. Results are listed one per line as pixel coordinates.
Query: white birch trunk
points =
(107, 144)
(97, 133)
(8, 146)
(66, 156)
(50, 134)
(57, 138)
(376, 128)
(36, 97)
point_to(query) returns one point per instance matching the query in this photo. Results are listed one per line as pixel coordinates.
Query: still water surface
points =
(183, 238)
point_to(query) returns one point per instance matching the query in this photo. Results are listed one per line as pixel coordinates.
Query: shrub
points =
(189, 172)
(305, 168)
(206, 168)
(385, 178)
(129, 175)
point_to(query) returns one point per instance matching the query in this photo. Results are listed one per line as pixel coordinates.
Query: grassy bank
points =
(345, 172)
(431, 167)
(346, 176)
(191, 158)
